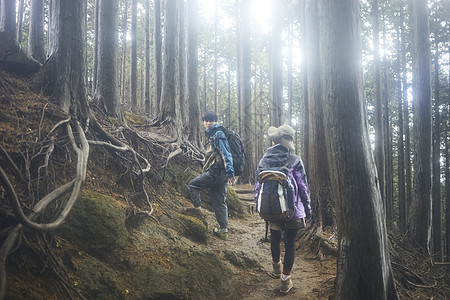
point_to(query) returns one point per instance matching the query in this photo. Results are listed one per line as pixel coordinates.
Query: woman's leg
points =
(289, 250)
(275, 239)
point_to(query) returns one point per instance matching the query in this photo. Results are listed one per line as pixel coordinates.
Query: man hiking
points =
(217, 172)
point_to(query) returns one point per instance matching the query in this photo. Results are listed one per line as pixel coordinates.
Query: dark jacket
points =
(276, 157)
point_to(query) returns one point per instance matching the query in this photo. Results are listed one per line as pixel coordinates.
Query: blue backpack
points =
(236, 148)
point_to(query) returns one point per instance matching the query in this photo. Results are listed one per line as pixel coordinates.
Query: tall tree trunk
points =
(147, 86)
(228, 114)
(205, 83)
(304, 106)
(246, 92)
(36, 31)
(65, 67)
(388, 141)
(124, 51)
(133, 68)
(86, 71)
(289, 77)
(363, 269)
(255, 124)
(276, 66)
(8, 17)
(216, 20)
(182, 71)
(321, 195)
(95, 50)
(238, 61)
(20, 22)
(194, 133)
(378, 123)
(168, 113)
(400, 144)
(105, 91)
(261, 116)
(157, 54)
(436, 167)
(387, 133)
(408, 168)
(420, 212)
(447, 178)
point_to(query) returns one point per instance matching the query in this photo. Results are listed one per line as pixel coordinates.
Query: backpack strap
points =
(290, 160)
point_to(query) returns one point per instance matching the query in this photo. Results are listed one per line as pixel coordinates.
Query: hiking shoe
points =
(286, 284)
(276, 273)
(221, 235)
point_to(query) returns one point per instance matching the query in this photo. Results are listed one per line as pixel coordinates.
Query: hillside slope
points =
(134, 236)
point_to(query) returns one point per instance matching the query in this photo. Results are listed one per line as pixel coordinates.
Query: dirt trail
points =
(250, 256)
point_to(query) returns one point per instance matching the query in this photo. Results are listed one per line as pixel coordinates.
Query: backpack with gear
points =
(275, 200)
(236, 148)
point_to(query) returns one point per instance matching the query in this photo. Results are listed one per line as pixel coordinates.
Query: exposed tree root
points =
(314, 235)
(125, 144)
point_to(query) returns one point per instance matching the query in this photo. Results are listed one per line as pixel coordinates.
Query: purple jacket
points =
(277, 156)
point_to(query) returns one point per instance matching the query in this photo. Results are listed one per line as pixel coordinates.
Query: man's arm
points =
(224, 147)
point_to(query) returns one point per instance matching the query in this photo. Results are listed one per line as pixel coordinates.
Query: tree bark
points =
(246, 92)
(321, 195)
(378, 123)
(402, 212)
(133, 68)
(387, 133)
(20, 22)
(168, 113)
(65, 66)
(124, 51)
(447, 177)
(147, 87)
(194, 133)
(157, 54)
(8, 17)
(95, 50)
(276, 67)
(36, 31)
(182, 107)
(436, 166)
(105, 91)
(406, 118)
(216, 19)
(304, 106)
(364, 270)
(420, 212)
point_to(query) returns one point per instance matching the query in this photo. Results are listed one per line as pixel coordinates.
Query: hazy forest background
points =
(365, 84)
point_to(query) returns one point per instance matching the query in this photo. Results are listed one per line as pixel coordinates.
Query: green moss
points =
(96, 224)
(195, 229)
(191, 275)
(235, 206)
(115, 121)
(134, 118)
(99, 280)
(178, 176)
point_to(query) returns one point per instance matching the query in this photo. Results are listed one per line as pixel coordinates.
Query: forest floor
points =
(417, 276)
(313, 277)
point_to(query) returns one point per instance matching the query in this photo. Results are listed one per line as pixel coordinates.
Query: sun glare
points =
(260, 12)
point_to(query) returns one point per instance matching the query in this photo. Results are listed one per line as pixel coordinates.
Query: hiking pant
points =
(289, 247)
(216, 182)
